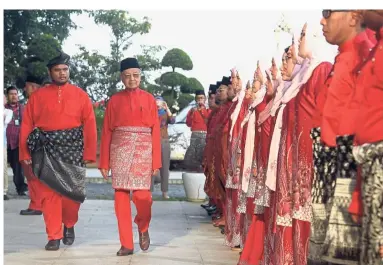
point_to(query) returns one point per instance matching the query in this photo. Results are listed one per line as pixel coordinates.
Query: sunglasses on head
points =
(326, 13)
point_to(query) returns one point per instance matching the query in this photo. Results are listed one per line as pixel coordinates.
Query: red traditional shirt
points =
(197, 119)
(136, 108)
(336, 113)
(55, 107)
(369, 98)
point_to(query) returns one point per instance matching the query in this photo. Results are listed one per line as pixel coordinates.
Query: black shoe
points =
(6, 198)
(22, 193)
(144, 240)
(236, 248)
(211, 208)
(217, 217)
(207, 205)
(124, 251)
(210, 213)
(30, 212)
(52, 245)
(69, 236)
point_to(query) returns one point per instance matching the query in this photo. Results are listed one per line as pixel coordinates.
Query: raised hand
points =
(248, 85)
(239, 85)
(274, 69)
(165, 105)
(292, 52)
(233, 77)
(259, 74)
(267, 76)
(236, 80)
(256, 85)
(269, 84)
(248, 90)
(302, 47)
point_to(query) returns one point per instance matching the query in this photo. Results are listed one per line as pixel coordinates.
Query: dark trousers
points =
(164, 170)
(18, 176)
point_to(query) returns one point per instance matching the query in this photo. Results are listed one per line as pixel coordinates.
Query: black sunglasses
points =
(326, 13)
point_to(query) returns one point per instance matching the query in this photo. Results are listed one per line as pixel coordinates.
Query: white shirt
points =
(8, 114)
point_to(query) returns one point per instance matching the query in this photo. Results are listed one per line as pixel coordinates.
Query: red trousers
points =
(33, 187)
(57, 210)
(143, 201)
(253, 250)
(301, 236)
(284, 247)
(233, 218)
(34, 194)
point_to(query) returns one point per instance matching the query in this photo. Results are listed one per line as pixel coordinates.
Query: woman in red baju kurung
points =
(270, 241)
(302, 155)
(305, 108)
(221, 133)
(236, 139)
(253, 247)
(249, 157)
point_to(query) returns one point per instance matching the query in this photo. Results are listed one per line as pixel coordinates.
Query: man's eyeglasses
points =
(326, 13)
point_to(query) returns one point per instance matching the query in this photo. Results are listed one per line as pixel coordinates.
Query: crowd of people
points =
(294, 160)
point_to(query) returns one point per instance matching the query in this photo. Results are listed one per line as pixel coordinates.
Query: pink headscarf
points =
(301, 75)
(235, 114)
(250, 137)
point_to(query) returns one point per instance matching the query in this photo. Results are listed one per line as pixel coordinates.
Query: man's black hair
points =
(11, 88)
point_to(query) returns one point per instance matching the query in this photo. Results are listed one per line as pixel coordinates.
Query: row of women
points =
(294, 161)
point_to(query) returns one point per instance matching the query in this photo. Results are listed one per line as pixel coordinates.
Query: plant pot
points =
(194, 186)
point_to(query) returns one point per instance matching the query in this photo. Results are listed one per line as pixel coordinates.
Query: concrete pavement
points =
(104, 191)
(181, 234)
(93, 175)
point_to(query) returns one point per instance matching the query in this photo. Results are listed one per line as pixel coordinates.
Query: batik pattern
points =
(57, 160)
(370, 156)
(131, 158)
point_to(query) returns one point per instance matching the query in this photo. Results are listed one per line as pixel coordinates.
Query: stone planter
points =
(194, 186)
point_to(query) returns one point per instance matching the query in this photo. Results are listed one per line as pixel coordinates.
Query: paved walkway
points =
(93, 175)
(104, 191)
(181, 234)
